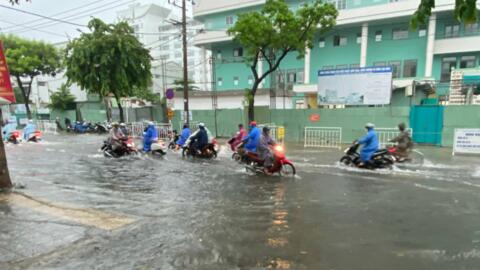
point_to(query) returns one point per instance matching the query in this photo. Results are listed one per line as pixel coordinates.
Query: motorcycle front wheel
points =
(288, 170)
(346, 160)
(185, 152)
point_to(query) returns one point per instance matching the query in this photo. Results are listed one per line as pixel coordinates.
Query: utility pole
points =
(185, 62)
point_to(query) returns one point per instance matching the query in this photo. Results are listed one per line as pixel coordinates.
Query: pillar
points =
(432, 25)
(306, 68)
(364, 45)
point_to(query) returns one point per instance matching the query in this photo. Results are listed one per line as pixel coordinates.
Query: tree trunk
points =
(26, 95)
(251, 101)
(120, 109)
(29, 113)
(108, 108)
(5, 182)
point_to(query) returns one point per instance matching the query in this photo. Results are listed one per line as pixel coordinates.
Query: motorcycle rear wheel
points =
(346, 160)
(288, 170)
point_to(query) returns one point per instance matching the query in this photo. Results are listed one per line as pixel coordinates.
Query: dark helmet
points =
(401, 126)
(185, 126)
(266, 129)
(240, 125)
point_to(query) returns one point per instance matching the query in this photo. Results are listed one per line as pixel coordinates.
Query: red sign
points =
(314, 117)
(6, 91)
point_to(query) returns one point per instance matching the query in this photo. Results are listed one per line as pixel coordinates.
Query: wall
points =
(459, 117)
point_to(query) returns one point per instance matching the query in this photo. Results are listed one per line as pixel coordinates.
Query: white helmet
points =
(369, 125)
(201, 125)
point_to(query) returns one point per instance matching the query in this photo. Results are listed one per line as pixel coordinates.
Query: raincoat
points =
(7, 130)
(242, 133)
(263, 149)
(184, 136)
(404, 143)
(149, 137)
(30, 128)
(209, 136)
(200, 139)
(370, 145)
(252, 139)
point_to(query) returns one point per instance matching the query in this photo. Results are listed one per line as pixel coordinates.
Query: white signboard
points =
(356, 86)
(466, 141)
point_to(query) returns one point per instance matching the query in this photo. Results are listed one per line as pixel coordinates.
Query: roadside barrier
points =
(47, 126)
(276, 132)
(386, 134)
(326, 137)
(136, 129)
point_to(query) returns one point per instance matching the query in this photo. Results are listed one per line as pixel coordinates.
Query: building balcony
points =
(209, 37)
(210, 7)
(457, 44)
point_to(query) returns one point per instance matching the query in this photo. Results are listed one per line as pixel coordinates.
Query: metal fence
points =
(47, 126)
(276, 132)
(386, 134)
(328, 137)
(136, 129)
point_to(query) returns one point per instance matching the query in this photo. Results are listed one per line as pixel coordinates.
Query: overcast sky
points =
(75, 11)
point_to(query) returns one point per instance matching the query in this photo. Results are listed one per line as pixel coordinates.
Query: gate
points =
(47, 126)
(328, 137)
(427, 121)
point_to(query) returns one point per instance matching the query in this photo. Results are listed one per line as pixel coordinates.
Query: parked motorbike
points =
(100, 128)
(381, 159)
(208, 152)
(128, 148)
(281, 164)
(35, 136)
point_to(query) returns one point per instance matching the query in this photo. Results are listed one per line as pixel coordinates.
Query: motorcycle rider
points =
(370, 144)
(263, 149)
(200, 139)
(237, 140)
(183, 137)
(29, 129)
(124, 129)
(116, 137)
(253, 137)
(404, 141)
(149, 137)
(8, 129)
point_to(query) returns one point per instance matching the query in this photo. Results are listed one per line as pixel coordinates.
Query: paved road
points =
(175, 214)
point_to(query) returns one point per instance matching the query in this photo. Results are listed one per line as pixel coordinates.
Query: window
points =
(339, 41)
(219, 81)
(238, 52)
(379, 64)
(327, 67)
(250, 79)
(378, 36)
(399, 34)
(410, 68)
(452, 31)
(235, 80)
(396, 68)
(448, 63)
(291, 76)
(219, 54)
(422, 32)
(321, 42)
(471, 29)
(165, 48)
(359, 38)
(300, 76)
(354, 65)
(341, 67)
(178, 54)
(229, 20)
(339, 4)
(468, 61)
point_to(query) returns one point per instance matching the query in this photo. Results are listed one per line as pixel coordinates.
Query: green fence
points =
(459, 117)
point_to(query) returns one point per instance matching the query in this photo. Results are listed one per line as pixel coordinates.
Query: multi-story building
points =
(159, 29)
(368, 33)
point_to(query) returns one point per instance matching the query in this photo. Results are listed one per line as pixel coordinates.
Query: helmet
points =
(201, 125)
(253, 124)
(115, 124)
(123, 125)
(30, 121)
(369, 125)
(150, 123)
(401, 126)
(266, 129)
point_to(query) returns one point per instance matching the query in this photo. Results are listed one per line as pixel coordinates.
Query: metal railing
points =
(136, 129)
(47, 126)
(276, 132)
(327, 137)
(386, 134)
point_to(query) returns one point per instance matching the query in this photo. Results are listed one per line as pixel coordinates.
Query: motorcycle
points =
(381, 159)
(209, 151)
(128, 148)
(15, 137)
(173, 140)
(413, 157)
(35, 136)
(100, 128)
(159, 148)
(281, 164)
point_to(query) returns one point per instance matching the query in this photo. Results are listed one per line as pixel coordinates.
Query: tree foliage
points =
(109, 61)
(178, 85)
(465, 11)
(271, 33)
(27, 59)
(62, 99)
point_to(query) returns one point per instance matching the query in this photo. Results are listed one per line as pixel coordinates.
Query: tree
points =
(273, 32)
(109, 61)
(178, 85)
(465, 11)
(27, 59)
(62, 99)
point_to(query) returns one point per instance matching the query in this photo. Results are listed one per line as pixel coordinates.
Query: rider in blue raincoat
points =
(149, 136)
(369, 142)
(8, 129)
(184, 136)
(252, 138)
(30, 128)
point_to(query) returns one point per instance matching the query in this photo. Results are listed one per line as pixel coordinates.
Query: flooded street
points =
(213, 215)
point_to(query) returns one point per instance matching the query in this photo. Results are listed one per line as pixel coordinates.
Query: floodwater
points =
(214, 215)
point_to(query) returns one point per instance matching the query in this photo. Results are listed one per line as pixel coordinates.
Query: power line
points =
(42, 16)
(56, 14)
(35, 29)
